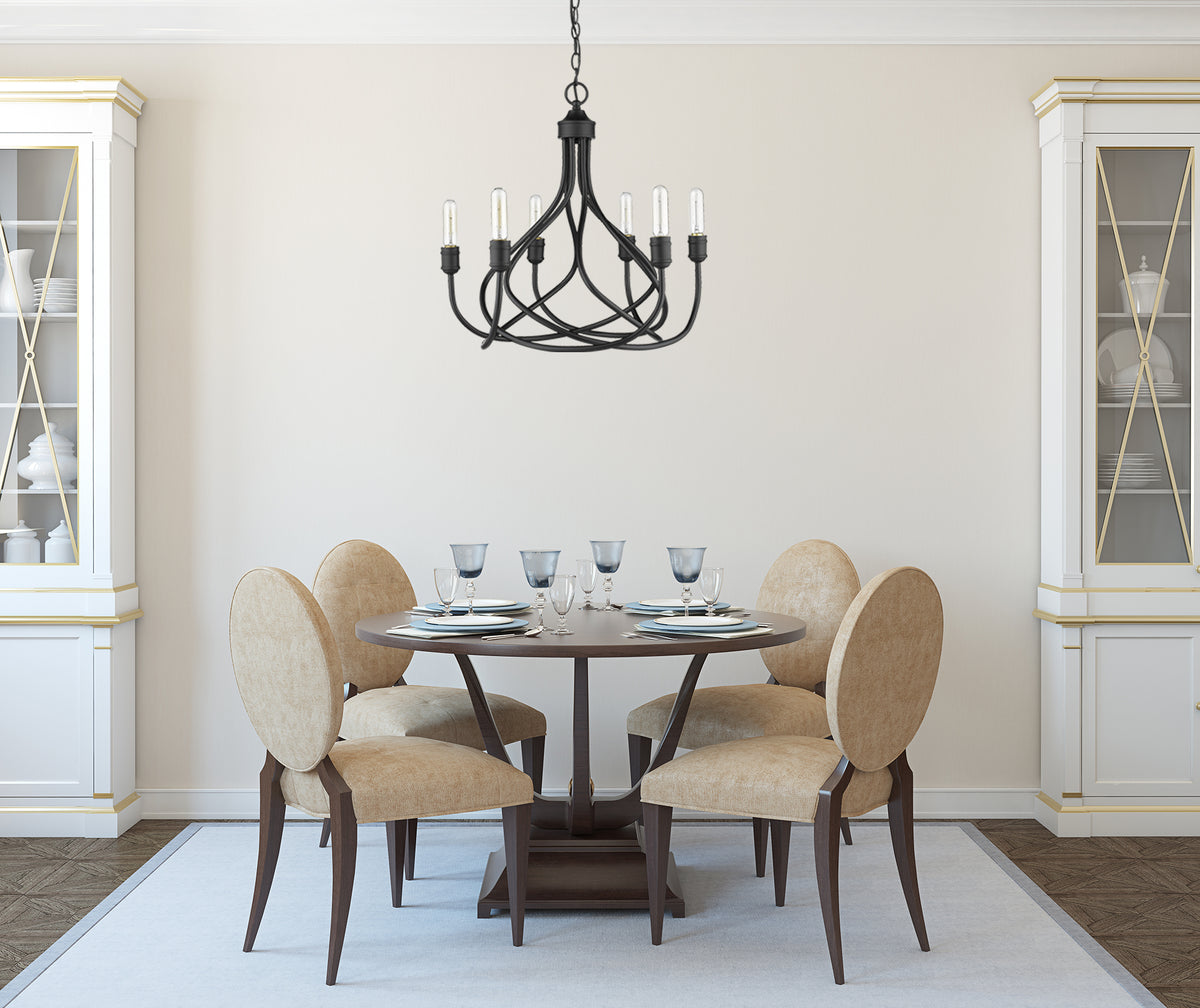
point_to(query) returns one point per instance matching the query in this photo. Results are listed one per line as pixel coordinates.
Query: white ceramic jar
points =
(22, 545)
(20, 260)
(38, 465)
(1144, 284)
(58, 545)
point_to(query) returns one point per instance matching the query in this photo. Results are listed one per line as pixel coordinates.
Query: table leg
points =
(581, 816)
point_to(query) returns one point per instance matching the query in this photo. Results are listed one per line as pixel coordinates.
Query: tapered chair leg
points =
(825, 845)
(410, 848)
(516, 858)
(781, 841)
(846, 832)
(533, 757)
(345, 850)
(657, 820)
(900, 820)
(324, 841)
(270, 834)
(759, 826)
(397, 845)
(639, 757)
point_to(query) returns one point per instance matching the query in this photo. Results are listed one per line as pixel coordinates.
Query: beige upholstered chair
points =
(290, 678)
(359, 578)
(814, 581)
(881, 674)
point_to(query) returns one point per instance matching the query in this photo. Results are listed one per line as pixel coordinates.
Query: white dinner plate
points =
(699, 621)
(671, 603)
(478, 620)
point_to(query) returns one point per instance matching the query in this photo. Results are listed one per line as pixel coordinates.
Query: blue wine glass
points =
(468, 558)
(540, 566)
(607, 554)
(686, 562)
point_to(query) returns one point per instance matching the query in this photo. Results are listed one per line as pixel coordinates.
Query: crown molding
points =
(697, 22)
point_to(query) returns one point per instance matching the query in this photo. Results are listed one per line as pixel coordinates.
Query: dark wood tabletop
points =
(597, 635)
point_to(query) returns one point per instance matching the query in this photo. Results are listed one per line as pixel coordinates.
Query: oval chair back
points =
(287, 668)
(814, 581)
(883, 667)
(358, 579)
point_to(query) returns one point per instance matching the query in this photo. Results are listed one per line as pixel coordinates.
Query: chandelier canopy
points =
(632, 319)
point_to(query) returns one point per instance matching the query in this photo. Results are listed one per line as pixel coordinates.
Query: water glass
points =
(607, 554)
(540, 566)
(468, 558)
(445, 582)
(562, 594)
(686, 562)
(711, 579)
(586, 580)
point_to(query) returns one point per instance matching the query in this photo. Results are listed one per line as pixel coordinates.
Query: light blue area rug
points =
(172, 934)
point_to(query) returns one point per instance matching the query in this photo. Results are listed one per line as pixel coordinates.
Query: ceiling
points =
(605, 21)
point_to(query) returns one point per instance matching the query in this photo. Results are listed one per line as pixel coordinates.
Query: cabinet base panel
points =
(67, 819)
(1124, 820)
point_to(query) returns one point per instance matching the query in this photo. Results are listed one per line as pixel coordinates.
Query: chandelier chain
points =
(576, 91)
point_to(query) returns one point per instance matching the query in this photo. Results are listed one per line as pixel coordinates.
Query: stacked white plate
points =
(1138, 470)
(61, 293)
(1171, 391)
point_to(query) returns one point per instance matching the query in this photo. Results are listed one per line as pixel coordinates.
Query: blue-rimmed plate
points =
(661, 626)
(469, 625)
(481, 606)
(672, 605)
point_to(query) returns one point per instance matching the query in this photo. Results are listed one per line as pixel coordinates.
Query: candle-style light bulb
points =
(627, 213)
(535, 209)
(697, 204)
(499, 215)
(449, 223)
(658, 197)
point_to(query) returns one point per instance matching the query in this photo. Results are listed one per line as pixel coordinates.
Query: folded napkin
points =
(397, 631)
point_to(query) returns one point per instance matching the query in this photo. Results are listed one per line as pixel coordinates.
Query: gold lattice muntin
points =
(29, 374)
(1145, 374)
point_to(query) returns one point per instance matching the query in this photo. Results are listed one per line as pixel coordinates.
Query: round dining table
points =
(585, 852)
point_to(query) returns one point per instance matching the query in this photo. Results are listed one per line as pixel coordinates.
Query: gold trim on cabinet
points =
(1094, 809)
(1182, 97)
(102, 647)
(121, 806)
(71, 620)
(1072, 794)
(1085, 591)
(83, 591)
(1072, 647)
(108, 795)
(1078, 621)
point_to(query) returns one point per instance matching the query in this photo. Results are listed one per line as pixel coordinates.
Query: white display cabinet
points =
(1119, 597)
(68, 592)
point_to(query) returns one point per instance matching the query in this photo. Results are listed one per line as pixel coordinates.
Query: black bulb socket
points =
(625, 251)
(501, 249)
(697, 247)
(537, 250)
(450, 259)
(660, 251)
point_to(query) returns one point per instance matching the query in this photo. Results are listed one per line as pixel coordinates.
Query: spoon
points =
(531, 632)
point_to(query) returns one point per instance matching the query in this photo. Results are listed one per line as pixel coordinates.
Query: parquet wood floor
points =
(1138, 897)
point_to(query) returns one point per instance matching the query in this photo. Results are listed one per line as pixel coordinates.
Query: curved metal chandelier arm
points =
(458, 314)
(684, 331)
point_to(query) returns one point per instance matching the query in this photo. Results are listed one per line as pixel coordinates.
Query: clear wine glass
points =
(468, 558)
(562, 594)
(711, 579)
(686, 562)
(445, 581)
(607, 554)
(586, 581)
(540, 566)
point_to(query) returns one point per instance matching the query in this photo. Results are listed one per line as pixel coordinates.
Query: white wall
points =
(864, 368)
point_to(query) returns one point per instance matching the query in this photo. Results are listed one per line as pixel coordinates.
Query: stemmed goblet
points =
(710, 586)
(607, 554)
(586, 581)
(540, 566)
(468, 558)
(445, 582)
(562, 594)
(686, 562)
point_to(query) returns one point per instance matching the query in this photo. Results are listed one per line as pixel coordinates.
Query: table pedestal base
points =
(604, 871)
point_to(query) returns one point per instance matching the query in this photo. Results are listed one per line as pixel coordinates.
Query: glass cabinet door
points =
(1144, 355)
(39, 355)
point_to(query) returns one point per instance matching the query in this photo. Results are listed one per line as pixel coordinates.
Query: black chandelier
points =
(633, 320)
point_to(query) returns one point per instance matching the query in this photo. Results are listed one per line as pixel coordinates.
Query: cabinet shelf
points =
(69, 490)
(1105, 492)
(33, 405)
(1148, 404)
(1147, 224)
(52, 316)
(69, 227)
(1167, 315)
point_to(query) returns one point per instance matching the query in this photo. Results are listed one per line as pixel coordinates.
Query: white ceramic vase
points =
(20, 260)
(38, 465)
(58, 545)
(22, 545)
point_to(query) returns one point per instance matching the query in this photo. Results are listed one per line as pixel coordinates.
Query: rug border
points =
(1104, 959)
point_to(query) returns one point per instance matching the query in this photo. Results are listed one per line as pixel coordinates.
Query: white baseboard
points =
(929, 803)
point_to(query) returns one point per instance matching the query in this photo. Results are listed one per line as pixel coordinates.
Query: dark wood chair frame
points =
(345, 850)
(533, 761)
(639, 763)
(657, 819)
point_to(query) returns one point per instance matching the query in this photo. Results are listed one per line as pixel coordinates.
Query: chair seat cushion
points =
(407, 778)
(725, 713)
(772, 777)
(436, 712)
